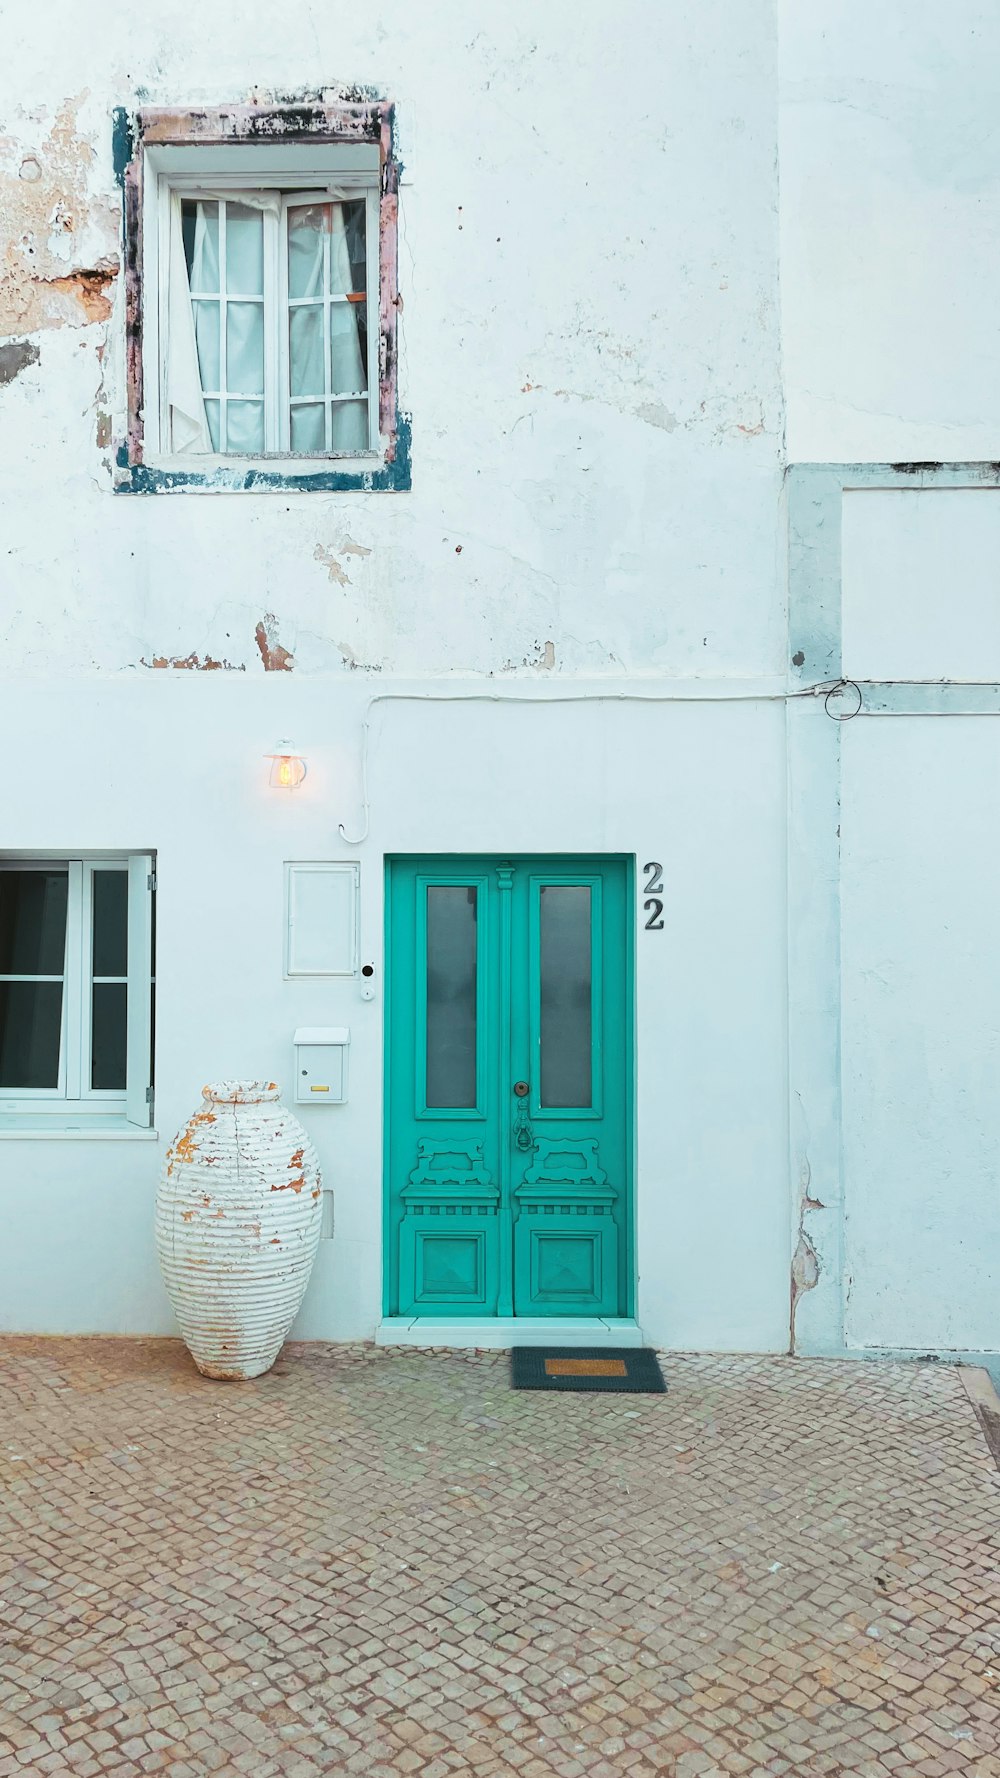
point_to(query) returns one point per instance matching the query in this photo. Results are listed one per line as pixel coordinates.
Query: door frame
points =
(490, 860)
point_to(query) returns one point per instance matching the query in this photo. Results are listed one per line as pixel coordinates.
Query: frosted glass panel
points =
(566, 995)
(451, 994)
(322, 919)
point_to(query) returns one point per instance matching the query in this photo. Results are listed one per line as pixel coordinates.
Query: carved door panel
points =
(508, 1087)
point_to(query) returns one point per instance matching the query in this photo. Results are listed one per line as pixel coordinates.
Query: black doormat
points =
(620, 1370)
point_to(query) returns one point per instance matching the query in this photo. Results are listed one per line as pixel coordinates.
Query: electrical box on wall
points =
(321, 1064)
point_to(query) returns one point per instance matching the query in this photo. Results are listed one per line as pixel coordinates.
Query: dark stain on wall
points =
(16, 357)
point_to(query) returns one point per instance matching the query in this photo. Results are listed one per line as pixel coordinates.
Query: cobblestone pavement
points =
(387, 1562)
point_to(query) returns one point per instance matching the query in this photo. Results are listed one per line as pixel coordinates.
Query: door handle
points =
(524, 1135)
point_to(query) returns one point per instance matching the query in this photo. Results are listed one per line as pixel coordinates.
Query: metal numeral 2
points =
(653, 888)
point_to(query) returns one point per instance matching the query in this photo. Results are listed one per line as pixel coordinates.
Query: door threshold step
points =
(500, 1332)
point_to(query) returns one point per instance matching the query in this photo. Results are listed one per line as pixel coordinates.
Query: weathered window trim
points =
(371, 122)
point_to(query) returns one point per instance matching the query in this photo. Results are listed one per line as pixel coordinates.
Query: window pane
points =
(244, 250)
(305, 350)
(566, 995)
(32, 922)
(245, 422)
(307, 225)
(307, 428)
(451, 995)
(350, 426)
(206, 332)
(353, 251)
(245, 348)
(107, 1044)
(30, 1026)
(347, 365)
(200, 226)
(110, 922)
(212, 416)
(347, 239)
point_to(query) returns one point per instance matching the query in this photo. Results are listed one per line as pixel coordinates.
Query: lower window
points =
(76, 991)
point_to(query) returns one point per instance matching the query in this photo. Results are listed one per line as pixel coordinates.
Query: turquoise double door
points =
(508, 1086)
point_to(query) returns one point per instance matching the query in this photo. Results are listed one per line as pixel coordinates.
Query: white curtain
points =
(193, 319)
(309, 226)
(185, 402)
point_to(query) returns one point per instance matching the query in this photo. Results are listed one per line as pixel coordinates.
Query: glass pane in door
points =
(566, 995)
(452, 911)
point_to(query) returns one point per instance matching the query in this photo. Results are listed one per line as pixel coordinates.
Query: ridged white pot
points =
(237, 1226)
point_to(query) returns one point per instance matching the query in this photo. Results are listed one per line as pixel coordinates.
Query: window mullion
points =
(76, 1005)
(272, 331)
(373, 313)
(283, 318)
(327, 334)
(223, 364)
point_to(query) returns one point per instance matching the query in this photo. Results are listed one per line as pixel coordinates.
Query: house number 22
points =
(652, 907)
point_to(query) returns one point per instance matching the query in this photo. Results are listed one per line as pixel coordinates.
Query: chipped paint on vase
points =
(237, 1226)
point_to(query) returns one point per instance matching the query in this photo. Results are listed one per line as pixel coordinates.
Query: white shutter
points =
(138, 1101)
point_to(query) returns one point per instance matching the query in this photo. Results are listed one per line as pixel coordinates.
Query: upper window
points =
(261, 258)
(76, 947)
(265, 324)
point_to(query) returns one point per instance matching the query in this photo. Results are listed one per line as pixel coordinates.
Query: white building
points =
(684, 400)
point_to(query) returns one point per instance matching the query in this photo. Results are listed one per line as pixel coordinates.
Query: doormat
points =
(621, 1370)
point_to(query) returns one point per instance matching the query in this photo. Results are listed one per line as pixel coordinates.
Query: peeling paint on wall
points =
(805, 1259)
(50, 273)
(328, 557)
(192, 663)
(275, 658)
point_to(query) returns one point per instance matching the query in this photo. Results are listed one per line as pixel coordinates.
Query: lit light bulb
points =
(287, 767)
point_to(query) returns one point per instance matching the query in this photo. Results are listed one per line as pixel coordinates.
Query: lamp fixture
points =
(288, 768)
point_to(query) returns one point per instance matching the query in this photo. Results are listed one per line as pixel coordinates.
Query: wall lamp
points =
(288, 768)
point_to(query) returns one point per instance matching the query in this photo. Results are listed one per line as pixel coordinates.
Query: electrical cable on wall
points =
(826, 689)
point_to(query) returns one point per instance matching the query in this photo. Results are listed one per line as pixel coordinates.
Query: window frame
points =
(73, 1096)
(291, 149)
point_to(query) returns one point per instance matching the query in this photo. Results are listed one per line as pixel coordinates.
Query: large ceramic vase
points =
(237, 1226)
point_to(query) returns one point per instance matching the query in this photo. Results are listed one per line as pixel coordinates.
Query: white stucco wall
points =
(590, 273)
(921, 1036)
(921, 579)
(590, 360)
(701, 790)
(890, 239)
(589, 341)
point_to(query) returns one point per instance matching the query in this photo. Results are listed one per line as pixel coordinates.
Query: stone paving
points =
(385, 1562)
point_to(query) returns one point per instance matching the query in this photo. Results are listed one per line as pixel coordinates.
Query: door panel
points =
(508, 1083)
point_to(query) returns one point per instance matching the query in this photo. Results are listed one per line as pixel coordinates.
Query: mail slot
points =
(321, 1064)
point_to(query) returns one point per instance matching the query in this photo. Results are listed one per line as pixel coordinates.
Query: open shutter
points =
(138, 1095)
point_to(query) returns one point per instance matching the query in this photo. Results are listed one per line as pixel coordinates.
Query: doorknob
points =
(521, 1088)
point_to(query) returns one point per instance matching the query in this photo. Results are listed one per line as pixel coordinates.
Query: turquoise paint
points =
(510, 1206)
(394, 478)
(122, 142)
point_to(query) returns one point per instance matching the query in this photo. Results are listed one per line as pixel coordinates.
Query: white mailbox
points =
(321, 1064)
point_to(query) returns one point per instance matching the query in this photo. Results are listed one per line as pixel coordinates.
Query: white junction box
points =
(321, 1064)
